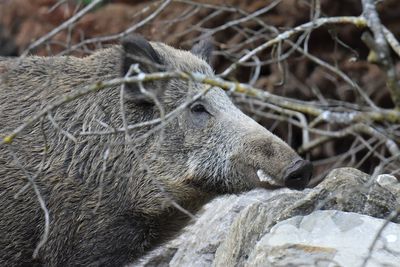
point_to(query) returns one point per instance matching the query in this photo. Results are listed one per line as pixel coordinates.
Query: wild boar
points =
(111, 197)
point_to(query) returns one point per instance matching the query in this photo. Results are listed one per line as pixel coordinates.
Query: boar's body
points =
(111, 199)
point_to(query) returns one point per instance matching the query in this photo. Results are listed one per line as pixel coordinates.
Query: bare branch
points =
(287, 103)
(63, 26)
(381, 48)
(358, 21)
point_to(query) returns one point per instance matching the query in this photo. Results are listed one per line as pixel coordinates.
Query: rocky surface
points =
(328, 238)
(253, 229)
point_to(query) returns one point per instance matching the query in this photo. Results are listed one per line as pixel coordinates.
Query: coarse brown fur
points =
(110, 198)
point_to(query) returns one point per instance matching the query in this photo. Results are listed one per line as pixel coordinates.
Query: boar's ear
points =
(137, 50)
(204, 49)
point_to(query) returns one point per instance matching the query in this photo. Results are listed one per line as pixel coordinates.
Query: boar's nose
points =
(298, 174)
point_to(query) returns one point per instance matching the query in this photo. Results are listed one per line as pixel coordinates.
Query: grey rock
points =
(389, 182)
(387, 179)
(230, 229)
(197, 244)
(328, 238)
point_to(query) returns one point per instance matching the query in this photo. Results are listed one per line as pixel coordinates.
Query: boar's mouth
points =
(296, 176)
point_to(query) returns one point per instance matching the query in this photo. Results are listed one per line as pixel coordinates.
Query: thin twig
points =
(63, 26)
(358, 21)
(120, 35)
(300, 106)
(382, 49)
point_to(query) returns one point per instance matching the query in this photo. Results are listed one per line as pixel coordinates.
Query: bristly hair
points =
(204, 49)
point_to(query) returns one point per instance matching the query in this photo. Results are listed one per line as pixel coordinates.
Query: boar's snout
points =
(298, 174)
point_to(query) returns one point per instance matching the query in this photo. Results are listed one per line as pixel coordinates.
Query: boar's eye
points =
(199, 115)
(198, 108)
